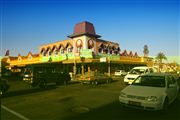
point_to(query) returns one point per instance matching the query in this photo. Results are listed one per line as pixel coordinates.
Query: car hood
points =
(143, 90)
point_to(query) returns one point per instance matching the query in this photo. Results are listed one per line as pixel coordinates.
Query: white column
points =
(85, 42)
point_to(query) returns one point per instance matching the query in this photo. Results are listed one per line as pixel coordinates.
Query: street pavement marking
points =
(15, 113)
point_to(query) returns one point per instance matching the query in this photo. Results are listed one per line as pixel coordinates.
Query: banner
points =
(86, 53)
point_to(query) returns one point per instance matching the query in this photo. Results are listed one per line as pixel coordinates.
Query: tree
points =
(160, 56)
(146, 51)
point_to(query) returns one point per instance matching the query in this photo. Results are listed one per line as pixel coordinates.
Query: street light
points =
(109, 66)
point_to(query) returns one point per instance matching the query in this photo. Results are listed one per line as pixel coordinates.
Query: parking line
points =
(15, 113)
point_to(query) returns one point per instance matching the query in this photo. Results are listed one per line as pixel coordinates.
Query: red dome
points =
(84, 28)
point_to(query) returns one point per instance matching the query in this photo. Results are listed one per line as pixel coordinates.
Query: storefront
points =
(83, 51)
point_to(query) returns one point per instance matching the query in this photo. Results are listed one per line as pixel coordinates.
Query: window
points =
(146, 71)
(153, 81)
(44, 53)
(56, 52)
(69, 50)
(30, 57)
(19, 59)
(62, 51)
(171, 80)
(151, 70)
(78, 49)
(50, 53)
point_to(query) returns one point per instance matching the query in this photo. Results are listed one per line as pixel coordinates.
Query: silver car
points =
(155, 91)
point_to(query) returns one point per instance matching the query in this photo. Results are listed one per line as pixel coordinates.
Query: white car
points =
(155, 91)
(135, 72)
(120, 73)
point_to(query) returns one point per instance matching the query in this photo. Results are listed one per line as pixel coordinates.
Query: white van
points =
(135, 72)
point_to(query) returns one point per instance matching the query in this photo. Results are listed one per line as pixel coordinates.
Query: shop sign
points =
(110, 56)
(100, 55)
(103, 59)
(70, 56)
(53, 58)
(114, 57)
(86, 53)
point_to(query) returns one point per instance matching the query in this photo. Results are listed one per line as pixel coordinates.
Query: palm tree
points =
(146, 51)
(160, 56)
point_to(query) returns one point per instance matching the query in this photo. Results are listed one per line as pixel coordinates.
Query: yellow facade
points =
(66, 51)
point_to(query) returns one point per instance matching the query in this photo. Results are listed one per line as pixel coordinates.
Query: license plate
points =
(134, 103)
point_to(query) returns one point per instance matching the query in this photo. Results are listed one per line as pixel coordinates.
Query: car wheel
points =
(96, 82)
(65, 82)
(109, 80)
(42, 84)
(165, 105)
(1, 93)
(57, 83)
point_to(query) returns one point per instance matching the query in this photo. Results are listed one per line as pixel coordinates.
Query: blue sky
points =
(27, 24)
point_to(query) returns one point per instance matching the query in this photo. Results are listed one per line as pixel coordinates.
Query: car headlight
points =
(151, 98)
(123, 94)
(26, 75)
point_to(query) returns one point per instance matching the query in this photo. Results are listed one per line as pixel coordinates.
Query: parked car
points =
(135, 72)
(120, 73)
(4, 86)
(95, 78)
(41, 75)
(155, 91)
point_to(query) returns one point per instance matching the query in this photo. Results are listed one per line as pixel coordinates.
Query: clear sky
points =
(27, 24)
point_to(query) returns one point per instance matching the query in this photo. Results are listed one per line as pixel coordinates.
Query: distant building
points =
(83, 43)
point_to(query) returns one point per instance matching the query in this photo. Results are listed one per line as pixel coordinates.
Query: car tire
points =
(165, 105)
(96, 82)
(42, 84)
(92, 83)
(2, 93)
(58, 83)
(65, 82)
(109, 80)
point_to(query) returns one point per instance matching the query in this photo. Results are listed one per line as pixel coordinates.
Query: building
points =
(83, 51)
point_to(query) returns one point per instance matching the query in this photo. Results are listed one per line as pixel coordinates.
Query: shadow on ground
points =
(115, 111)
(27, 91)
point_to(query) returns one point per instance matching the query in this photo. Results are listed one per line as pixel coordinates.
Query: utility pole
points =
(109, 67)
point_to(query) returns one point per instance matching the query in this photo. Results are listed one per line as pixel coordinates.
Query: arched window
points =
(101, 48)
(19, 59)
(54, 50)
(69, 47)
(62, 51)
(42, 52)
(90, 44)
(79, 45)
(30, 57)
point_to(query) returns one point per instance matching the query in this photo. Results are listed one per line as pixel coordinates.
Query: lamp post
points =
(82, 60)
(74, 66)
(109, 66)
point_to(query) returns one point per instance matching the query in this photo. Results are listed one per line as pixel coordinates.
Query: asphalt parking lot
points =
(74, 102)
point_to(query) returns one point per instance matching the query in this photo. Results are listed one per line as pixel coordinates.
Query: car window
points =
(151, 70)
(171, 80)
(146, 71)
(153, 81)
(137, 71)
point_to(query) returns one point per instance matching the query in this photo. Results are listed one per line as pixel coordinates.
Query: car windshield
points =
(153, 81)
(27, 71)
(137, 71)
